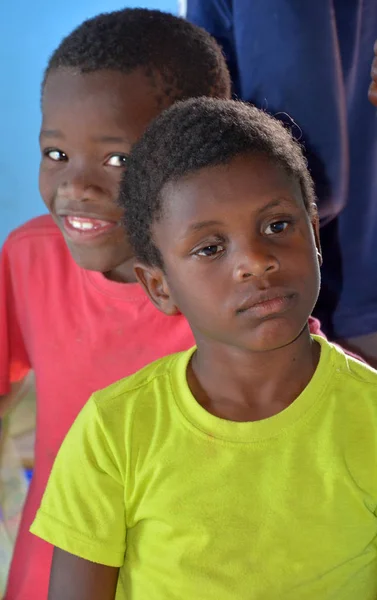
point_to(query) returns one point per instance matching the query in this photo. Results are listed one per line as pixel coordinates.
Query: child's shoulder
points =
(352, 374)
(37, 245)
(142, 380)
(43, 224)
(354, 369)
(38, 230)
(151, 381)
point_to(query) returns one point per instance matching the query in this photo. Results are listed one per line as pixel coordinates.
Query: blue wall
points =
(29, 32)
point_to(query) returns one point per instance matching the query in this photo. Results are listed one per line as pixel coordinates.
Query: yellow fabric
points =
(191, 506)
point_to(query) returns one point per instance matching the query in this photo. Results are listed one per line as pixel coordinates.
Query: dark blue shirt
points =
(312, 61)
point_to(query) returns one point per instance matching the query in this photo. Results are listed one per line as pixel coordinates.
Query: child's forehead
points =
(253, 175)
(71, 84)
(247, 185)
(127, 100)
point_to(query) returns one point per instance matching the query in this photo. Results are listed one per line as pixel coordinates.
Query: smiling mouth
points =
(269, 307)
(80, 228)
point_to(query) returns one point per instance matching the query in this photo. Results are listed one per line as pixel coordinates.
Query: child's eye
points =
(116, 160)
(55, 154)
(210, 250)
(277, 227)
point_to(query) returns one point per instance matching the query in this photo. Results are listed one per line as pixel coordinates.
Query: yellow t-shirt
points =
(194, 507)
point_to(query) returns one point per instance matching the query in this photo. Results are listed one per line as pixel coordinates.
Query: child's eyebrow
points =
(110, 139)
(194, 227)
(51, 133)
(275, 203)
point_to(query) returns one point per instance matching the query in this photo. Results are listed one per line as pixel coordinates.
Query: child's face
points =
(90, 122)
(240, 255)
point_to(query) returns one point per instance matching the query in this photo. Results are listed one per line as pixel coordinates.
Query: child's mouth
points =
(269, 306)
(85, 228)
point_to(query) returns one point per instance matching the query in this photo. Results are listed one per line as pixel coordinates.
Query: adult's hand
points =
(372, 93)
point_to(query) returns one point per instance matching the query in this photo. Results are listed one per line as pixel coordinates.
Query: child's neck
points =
(245, 386)
(124, 273)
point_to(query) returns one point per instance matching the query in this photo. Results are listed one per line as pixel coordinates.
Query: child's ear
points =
(154, 283)
(315, 225)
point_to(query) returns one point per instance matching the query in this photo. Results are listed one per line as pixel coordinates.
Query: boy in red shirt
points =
(64, 309)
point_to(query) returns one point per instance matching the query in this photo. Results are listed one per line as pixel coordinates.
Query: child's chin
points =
(274, 334)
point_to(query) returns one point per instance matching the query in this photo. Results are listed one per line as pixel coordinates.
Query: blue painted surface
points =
(29, 32)
(28, 474)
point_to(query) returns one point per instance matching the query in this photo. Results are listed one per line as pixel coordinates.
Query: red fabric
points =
(79, 332)
(315, 327)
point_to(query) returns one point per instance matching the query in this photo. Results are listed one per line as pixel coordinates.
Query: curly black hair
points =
(181, 59)
(192, 135)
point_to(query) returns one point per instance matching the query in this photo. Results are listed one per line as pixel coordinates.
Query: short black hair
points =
(187, 60)
(192, 135)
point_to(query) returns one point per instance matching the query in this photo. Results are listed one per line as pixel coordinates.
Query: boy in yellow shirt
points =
(246, 467)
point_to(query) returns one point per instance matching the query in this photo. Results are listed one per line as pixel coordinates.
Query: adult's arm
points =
(216, 17)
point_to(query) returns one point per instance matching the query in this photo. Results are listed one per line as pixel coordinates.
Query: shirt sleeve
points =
(83, 508)
(14, 360)
(216, 17)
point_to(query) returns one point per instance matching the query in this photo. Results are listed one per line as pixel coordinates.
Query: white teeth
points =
(82, 225)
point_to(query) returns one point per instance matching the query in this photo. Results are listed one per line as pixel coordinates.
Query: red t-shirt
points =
(79, 332)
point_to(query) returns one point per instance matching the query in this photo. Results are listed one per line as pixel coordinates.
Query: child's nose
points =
(255, 262)
(81, 184)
